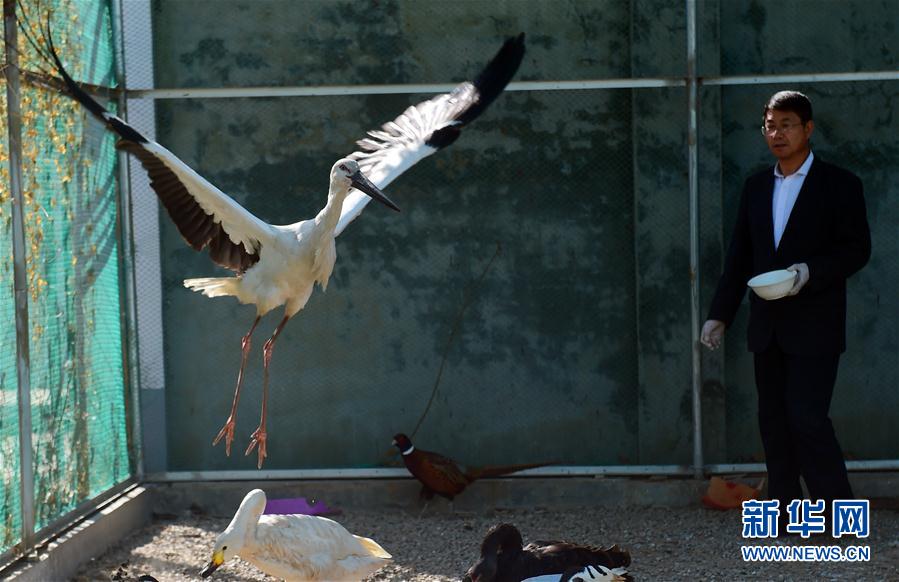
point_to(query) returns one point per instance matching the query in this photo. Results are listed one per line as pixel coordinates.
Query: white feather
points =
(403, 145)
(241, 225)
(596, 573)
(388, 167)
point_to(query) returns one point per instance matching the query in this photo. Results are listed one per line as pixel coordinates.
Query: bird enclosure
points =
(537, 299)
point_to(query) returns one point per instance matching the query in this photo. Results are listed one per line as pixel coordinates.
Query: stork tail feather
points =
(213, 286)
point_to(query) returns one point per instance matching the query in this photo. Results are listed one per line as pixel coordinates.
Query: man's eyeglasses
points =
(769, 130)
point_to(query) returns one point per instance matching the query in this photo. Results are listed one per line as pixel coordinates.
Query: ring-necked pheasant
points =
(444, 476)
(503, 559)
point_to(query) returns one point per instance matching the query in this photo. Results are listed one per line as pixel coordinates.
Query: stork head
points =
(230, 542)
(345, 172)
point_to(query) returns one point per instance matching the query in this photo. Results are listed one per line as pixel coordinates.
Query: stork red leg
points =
(259, 435)
(227, 431)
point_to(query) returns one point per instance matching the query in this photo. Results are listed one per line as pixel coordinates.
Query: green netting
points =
(76, 355)
(10, 525)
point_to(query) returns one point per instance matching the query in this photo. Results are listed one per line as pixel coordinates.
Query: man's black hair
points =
(793, 101)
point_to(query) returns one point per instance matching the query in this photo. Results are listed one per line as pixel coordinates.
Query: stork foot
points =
(226, 433)
(258, 438)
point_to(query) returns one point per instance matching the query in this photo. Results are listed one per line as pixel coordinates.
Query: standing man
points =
(807, 216)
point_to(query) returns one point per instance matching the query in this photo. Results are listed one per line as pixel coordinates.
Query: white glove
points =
(801, 278)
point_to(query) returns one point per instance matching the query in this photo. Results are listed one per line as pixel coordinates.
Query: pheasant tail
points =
(499, 470)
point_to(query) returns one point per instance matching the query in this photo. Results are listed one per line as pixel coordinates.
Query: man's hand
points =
(712, 332)
(801, 278)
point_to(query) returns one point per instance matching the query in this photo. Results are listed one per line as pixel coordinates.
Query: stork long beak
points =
(363, 184)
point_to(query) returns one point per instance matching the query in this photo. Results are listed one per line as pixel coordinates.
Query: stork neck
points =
(330, 214)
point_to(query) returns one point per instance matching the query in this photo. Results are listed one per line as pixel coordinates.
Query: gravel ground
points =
(665, 544)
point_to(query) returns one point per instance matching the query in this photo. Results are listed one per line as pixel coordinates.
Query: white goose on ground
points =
(279, 265)
(294, 547)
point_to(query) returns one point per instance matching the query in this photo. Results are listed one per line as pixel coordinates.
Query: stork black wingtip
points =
(495, 76)
(503, 66)
(74, 90)
(124, 130)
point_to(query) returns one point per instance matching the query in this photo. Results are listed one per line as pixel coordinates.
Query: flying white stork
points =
(279, 264)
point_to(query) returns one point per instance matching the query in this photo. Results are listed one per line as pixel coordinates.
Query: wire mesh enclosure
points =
(577, 346)
(869, 367)
(9, 400)
(358, 364)
(561, 221)
(73, 364)
(550, 343)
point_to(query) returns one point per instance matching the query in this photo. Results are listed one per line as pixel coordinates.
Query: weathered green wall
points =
(577, 345)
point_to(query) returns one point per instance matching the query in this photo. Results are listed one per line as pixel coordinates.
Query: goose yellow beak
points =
(218, 558)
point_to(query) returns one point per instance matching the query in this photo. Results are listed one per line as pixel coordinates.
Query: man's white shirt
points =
(786, 189)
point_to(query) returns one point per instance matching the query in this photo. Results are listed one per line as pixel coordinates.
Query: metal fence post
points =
(128, 295)
(693, 180)
(23, 364)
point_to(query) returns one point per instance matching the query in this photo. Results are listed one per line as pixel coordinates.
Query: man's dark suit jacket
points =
(827, 230)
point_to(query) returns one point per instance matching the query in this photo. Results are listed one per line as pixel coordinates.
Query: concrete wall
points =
(576, 347)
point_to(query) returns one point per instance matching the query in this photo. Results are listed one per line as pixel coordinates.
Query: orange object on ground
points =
(723, 494)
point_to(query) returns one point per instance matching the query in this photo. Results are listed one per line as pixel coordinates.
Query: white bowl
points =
(773, 284)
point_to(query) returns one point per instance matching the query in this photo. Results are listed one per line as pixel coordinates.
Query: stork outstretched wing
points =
(205, 216)
(429, 126)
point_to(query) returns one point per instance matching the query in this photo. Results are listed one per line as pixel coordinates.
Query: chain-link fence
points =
(70, 355)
